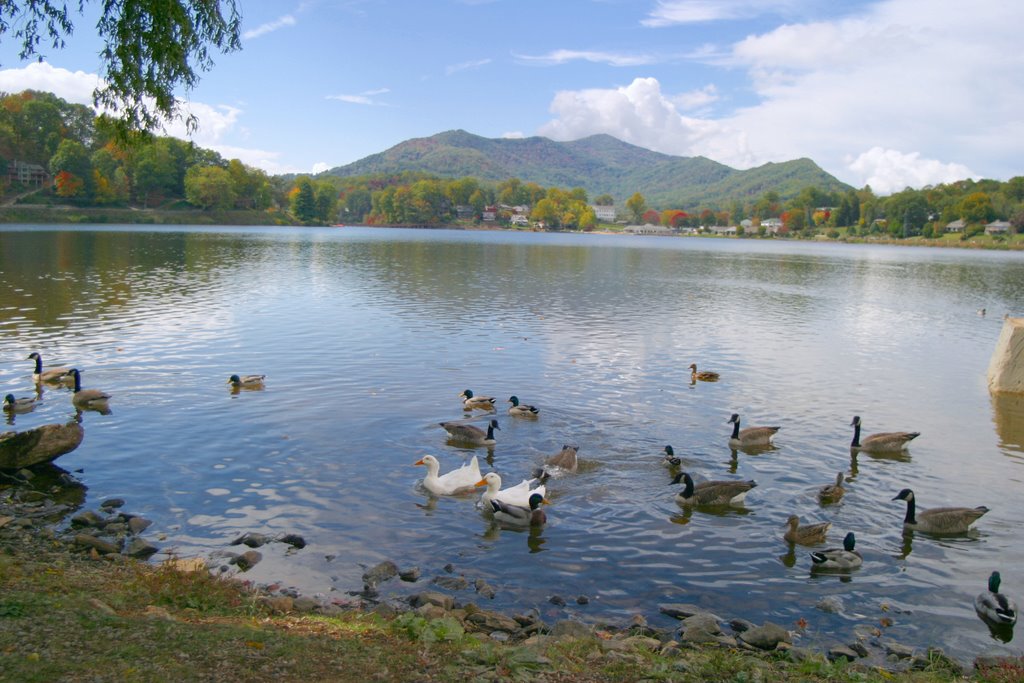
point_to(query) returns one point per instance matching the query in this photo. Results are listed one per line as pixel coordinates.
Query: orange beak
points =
(482, 482)
(419, 462)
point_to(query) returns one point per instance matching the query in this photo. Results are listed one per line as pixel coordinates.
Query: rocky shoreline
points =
(41, 508)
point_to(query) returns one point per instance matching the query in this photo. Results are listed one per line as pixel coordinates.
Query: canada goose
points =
(52, 375)
(671, 460)
(472, 434)
(949, 520)
(521, 516)
(246, 381)
(451, 483)
(994, 607)
(805, 535)
(518, 409)
(841, 559)
(751, 436)
(513, 495)
(89, 399)
(19, 405)
(471, 402)
(711, 492)
(882, 442)
(831, 493)
(703, 376)
(565, 459)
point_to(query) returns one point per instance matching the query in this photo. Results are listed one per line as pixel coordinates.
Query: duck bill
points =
(482, 482)
(419, 462)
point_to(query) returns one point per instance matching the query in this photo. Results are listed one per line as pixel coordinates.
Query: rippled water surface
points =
(367, 336)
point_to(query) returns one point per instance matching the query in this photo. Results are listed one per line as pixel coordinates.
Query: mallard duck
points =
(451, 483)
(51, 375)
(514, 495)
(19, 405)
(711, 492)
(518, 409)
(472, 402)
(703, 376)
(564, 459)
(751, 436)
(950, 520)
(994, 607)
(88, 399)
(521, 516)
(805, 535)
(246, 381)
(831, 493)
(882, 442)
(841, 559)
(471, 434)
(671, 460)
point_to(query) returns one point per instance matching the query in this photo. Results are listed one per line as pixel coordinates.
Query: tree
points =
(151, 48)
(977, 208)
(209, 187)
(651, 216)
(71, 158)
(303, 200)
(636, 205)
(604, 200)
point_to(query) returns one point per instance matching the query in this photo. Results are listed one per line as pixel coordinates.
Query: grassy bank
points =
(46, 215)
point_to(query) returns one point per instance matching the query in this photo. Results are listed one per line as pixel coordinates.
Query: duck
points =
(751, 436)
(514, 495)
(565, 459)
(883, 442)
(805, 535)
(948, 520)
(19, 405)
(450, 483)
(725, 492)
(89, 399)
(472, 434)
(473, 402)
(993, 607)
(703, 376)
(842, 559)
(50, 375)
(671, 460)
(521, 516)
(246, 381)
(831, 493)
(518, 409)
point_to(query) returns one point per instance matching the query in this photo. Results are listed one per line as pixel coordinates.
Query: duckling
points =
(246, 381)
(471, 434)
(993, 607)
(50, 375)
(88, 399)
(671, 460)
(838, 559)
(831, 493)
(565, 459)
(472, 402)
(751, 436)
(19, 405)
(805, 535)
(703, 376)
(724, 492)
(520, 516)
(949, 520)
(883, 442)
(518, 409)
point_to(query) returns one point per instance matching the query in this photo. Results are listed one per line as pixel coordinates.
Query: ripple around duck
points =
(368, 336)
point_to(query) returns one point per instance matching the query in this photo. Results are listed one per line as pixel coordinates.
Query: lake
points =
(368, 336)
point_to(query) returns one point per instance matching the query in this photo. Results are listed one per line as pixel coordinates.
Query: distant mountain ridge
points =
(600, 164)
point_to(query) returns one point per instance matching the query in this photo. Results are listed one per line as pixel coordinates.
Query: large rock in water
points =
(42, 444)
(1006, 368)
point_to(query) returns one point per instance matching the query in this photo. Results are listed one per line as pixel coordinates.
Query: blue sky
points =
(894, 93)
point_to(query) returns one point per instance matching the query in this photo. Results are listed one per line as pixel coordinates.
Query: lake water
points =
(367, 337)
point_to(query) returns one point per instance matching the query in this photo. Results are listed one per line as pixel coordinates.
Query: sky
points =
(891, 94)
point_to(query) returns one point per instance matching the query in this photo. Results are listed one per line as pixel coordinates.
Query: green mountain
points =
(600, 164)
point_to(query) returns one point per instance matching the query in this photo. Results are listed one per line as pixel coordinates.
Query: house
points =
(746, 224)
(997, 228)
(772, 226)
(520, 220)
(490, 214)
(605, 214)
(463, 212)
(648, 229)
(27, 174)
(721, 229)
(956, 226)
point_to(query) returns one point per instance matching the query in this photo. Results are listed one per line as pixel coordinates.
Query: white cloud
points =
(696, 99)
(465, 66)
(513, 135)
(269, 27)
(320, 167)
(564, 56)
(672, 12)
(73, 86)
(366, 97)
(888, 170)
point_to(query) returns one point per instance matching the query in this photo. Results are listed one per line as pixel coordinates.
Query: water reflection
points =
(1008, 416)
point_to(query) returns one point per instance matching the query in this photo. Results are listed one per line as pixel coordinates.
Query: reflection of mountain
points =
(1008, 414)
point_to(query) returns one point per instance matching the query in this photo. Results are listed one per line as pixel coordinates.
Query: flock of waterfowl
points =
(82, 399)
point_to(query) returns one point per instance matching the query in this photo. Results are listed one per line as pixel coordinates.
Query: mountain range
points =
(600, 164)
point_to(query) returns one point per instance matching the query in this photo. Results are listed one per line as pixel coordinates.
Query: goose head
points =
(905, 494)
(734, 419)
(856, 421)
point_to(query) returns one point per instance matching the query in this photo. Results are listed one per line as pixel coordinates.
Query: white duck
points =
(518, 495)
(451, 483)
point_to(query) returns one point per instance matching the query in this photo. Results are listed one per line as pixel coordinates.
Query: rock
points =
(740, 625)
(88, 518)
(557, 600)
(838, 652)
(411, 575)
(1010, 662)
(101, 546)
(431, 611)
(803, 654)
(765, 637)
(567, 629)
(859, 648)
(140, 548)
(253, 540)
(582, 600)
(380, 573)
(898, 650)
(1006, 367)
(703, 622)
(137, 525)
(294, 540)
(39, 445)
(679, 610)
(432, 598)
(452, 583)
(247, 560)
(112, 503)
(645, 643)
(278, 604)
(487, 621)
(830, 605)
(306, 604)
